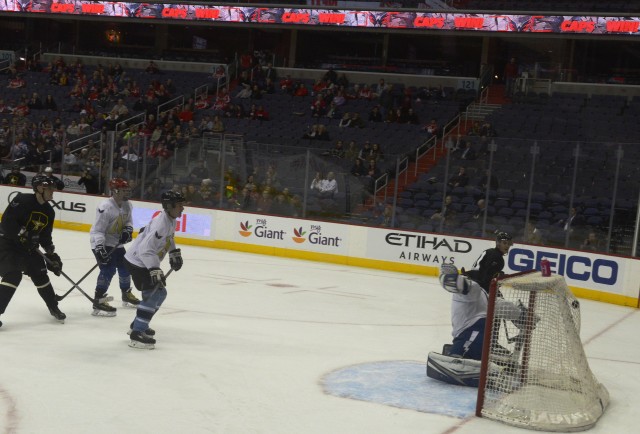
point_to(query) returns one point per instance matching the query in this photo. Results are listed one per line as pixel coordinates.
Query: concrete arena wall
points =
(607, 278)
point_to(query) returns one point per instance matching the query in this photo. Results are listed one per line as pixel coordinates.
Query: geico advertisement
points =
(422, 249)
(291, 233)
(581, 269)
(198, 225)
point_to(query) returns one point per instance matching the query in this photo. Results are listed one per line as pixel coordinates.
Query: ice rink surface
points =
(258, 344)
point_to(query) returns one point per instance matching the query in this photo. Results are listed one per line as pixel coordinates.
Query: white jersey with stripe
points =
(109, 222)
(151, 246)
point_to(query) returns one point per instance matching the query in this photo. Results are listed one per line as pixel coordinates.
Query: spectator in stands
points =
(17, 83)
(333, 112)
(316, 183)
(154, 190)
(15, 177)
(376, 152)
(468, 153)
(329, 186)
(35, 103)
(412, 117)
(385, 219)
(50, 103)
(572, 220)
(218, 125)
(90, 179)
(375, 115)
(365, 152)
(592, 243)
(263, 204)
(365, 92)
(286, 84)
(338, 150)
(358, 169)
(70, 161)
(481, 208)
(57, 182)
(152, 68)
(120, 108)
(38, 156)
(460, 179)
(198, 172)
(73, 130)
(487, 130)
(447, 214)
(510, 76)
(432, 128)
(261, 113)
(352, 151)
(379, 88)
(318, 106)
(345, 121)
(301, 90)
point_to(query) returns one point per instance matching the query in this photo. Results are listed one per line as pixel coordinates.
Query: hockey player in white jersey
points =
(112, 228)
(143, 260)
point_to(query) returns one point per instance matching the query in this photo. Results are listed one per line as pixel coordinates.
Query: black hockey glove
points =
(156, 276)
(54, 263)
(126, 235)
(102, 256)
(29, 240)
(175, 259)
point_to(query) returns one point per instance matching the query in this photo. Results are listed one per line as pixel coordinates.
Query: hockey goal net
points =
(534, 371)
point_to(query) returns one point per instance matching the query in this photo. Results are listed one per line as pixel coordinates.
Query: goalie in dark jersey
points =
(26, 225)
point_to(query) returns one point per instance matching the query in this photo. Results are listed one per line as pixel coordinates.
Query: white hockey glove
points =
(175, 259)
(156, 276)
(452, 281)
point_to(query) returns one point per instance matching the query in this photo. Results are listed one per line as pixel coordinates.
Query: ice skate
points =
(141, 341)
(149, 331)
(57, 314)
(129, 300)
(103, 309)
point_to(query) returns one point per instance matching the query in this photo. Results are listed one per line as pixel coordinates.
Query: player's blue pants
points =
(468, 344)
(152, 299)
(108, 270)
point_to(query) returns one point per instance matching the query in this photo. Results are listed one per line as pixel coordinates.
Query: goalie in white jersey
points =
(143, 261)
(112, 228)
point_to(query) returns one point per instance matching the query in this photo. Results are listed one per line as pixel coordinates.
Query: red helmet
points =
(118, 183)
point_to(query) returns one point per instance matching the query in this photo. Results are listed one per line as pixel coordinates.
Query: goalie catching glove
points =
(175, 259)
(452, 281)
(54, 263)
(156, 276)
(126, 235)
(522, 321)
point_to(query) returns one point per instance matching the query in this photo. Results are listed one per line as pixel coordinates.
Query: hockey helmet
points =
(503, 236)
(41, 180)
(120, 187)
(170, 198)
(118, 183)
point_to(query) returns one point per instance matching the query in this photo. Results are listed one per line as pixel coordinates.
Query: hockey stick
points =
(102, 300)
(75, 285)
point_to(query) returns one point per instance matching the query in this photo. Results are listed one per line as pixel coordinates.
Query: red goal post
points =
(534, 371)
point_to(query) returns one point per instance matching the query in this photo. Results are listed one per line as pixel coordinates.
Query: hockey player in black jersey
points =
(26, 225)
(491, 262)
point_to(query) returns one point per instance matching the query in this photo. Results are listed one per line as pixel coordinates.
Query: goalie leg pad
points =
(453, 370)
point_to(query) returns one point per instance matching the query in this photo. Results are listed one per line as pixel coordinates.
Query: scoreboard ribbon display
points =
(332, 17)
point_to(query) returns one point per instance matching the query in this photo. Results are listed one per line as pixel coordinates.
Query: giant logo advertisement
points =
(305, 16)
(291, 233)
(199, 225)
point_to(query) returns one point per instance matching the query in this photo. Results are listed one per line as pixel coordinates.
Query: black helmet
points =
(170, 198)
(41, 180)
(503, 236)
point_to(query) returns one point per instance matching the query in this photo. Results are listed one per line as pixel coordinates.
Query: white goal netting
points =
(539, 377)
